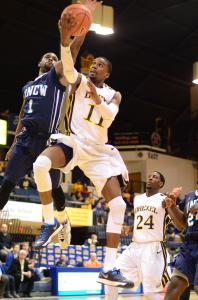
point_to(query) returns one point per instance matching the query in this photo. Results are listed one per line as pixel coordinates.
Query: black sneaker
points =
(47, 232)
(115, 278)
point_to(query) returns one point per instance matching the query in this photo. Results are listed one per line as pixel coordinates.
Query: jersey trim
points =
(167, 221)
(68, 116)
(165, 275)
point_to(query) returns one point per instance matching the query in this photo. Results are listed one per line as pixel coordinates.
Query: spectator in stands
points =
(92, 241)
(12, 255)
(101, 200)
(3, 282)
(38, 275)
(87, 204)
(21, 272)
(25, 183)
(91, 198)
(84, 190)
(93, 262)
(6, 244)
(126, 193)
(77, 196)
(99, 214)
(77, 187)
(62, 262)
(10, 286)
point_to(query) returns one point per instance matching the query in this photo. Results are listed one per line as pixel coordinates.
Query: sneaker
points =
(47, 232)
(115, 278)
(64, 236)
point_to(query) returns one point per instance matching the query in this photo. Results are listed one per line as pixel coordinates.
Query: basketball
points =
(83, 16)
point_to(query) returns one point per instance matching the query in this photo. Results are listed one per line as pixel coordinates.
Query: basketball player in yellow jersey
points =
(145, 259)
(92, 109)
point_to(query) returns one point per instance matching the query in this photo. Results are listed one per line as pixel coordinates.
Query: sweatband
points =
(68, 65)
(108, 111)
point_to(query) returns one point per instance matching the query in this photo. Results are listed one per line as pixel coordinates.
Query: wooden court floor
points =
(123, 297)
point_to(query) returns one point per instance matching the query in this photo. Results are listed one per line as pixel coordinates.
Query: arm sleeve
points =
(108, 111)
(68, 65)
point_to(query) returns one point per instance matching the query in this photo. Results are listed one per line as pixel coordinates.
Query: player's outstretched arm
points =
(18, 130)
(65, 68)
(78, 40)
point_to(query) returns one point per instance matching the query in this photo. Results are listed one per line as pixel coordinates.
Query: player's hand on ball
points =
(177, 191)
(65, 25)
(194, 209)
(125, 230)
(91, 5)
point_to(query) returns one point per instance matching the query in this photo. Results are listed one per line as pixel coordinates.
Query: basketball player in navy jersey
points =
(186, 262)
(93, 107)
(38, 119)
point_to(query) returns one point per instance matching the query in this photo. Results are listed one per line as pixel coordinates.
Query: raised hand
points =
(92, 92)
(168, 201)
(177, 191)
(65, 25)
(91, 5)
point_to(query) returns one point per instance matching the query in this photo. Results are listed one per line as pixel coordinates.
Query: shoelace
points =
(61, 234)
(118, 272)
(43, 230)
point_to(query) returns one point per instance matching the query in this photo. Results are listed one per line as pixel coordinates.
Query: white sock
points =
(111, 292)
(48, 213)
(110, 259)
(61, 216)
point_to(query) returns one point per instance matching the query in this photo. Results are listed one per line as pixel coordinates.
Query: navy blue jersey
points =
(191, 221)
(44, 99)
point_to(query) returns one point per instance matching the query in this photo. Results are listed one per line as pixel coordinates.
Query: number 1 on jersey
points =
(88, 118)
(30, 110)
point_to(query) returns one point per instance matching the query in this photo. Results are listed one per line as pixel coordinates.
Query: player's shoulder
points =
(140, 196)
(159, 195)
(26, 85)
(108, 87)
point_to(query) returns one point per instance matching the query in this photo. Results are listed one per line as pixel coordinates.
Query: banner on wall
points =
(23, 211)
(80, 216)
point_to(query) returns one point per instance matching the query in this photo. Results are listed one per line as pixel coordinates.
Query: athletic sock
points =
(61, 216)
(48, 213)
(110, 259)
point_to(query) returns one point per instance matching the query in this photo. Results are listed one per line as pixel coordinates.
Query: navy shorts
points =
(187, 261)
(25, 152)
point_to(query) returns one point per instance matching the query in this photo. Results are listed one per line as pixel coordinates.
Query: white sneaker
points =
(64, 236)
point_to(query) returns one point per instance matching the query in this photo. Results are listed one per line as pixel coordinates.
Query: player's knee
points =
(41, 169)
(117, 209)
(152, 296)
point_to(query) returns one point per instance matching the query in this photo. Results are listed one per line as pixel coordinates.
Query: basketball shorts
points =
(146, 264)
(24, 154)
(186, 261)
(97, 161)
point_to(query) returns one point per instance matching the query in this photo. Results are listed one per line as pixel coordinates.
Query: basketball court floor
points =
(123, 297)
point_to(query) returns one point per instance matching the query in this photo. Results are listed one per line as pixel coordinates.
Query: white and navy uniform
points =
(145, 259)
(88, 135)
(41, 117)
